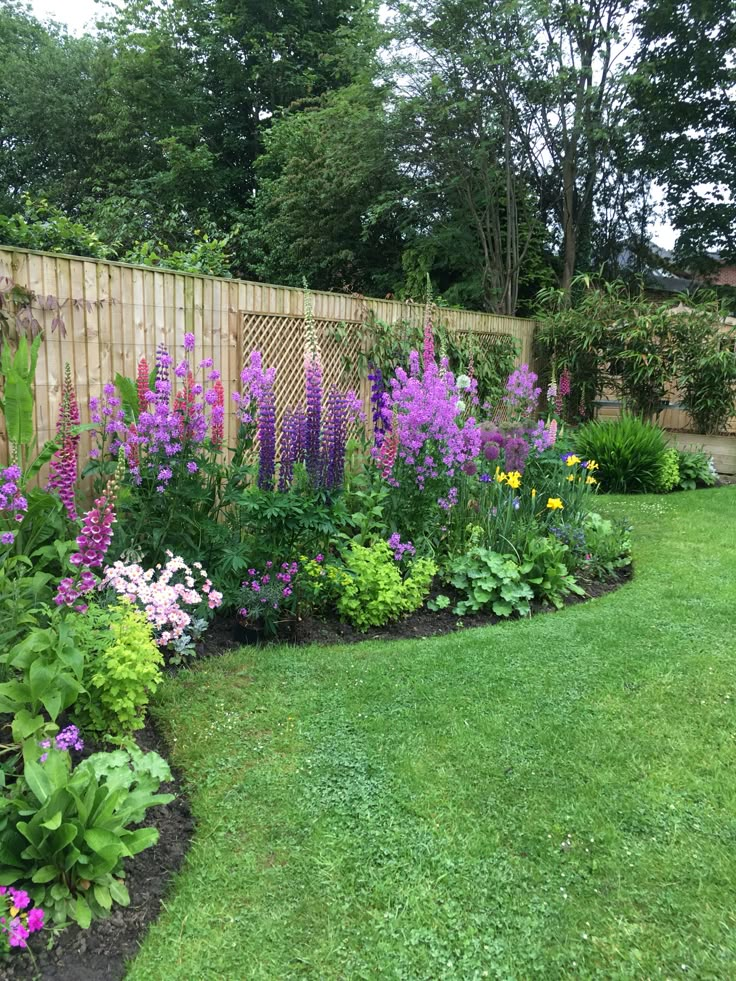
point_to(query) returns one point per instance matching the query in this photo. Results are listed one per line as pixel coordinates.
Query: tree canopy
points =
(498, 146)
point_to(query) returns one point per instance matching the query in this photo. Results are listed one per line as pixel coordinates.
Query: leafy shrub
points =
(489, 581)
(696, 469)
(629, 453)
(122, 668)
(376, 591)
(706, 365)
(669, 472)
(607, 546)
(42, 226)
(544, 569)
(65, 832)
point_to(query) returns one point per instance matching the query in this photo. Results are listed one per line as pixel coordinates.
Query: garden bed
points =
(220, 638)
(101, 952)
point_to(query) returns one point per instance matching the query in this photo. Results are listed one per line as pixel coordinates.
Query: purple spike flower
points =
(267, 435)
(314, 417)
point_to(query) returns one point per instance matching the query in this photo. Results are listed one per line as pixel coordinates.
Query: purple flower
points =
(192, 467)
(189, 341)
(69, 738)
(7, 538)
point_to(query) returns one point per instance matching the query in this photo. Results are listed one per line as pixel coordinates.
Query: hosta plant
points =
(65, 831)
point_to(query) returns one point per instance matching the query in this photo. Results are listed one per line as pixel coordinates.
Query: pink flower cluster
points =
(20, 921)
(164, 593)
(429, 430)
(169, 422)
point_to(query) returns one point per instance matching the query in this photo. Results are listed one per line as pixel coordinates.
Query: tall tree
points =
(685, 98)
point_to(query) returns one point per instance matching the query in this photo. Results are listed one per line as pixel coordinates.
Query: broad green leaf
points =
(45, 874)
(82, 912)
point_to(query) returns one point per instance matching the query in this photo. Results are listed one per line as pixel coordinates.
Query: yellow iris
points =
(571, 477)
(514, 479)
(592, 465)
(590, 480)
(572, 460)
(534, 492)
(500, 475)
(555, 504)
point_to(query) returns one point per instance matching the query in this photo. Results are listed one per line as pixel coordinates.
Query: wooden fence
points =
(101, 317)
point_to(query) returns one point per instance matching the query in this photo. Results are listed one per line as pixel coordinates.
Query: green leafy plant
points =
(64, 833)
(45, 669)
(122, 668)
(706, 365)
(488, 581)
(543, 567)
(607, 547)
(696, 469)
(629, 453)
(669, 472)
(375, 592)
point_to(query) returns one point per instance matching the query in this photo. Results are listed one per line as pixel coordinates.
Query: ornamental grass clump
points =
(629, 452)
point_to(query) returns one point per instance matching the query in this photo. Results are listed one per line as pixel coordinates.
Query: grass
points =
(543, 799)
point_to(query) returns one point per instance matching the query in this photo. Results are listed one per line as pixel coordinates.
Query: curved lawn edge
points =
(549, 797)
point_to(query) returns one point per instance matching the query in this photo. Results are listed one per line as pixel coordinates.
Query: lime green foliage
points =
(628, 451)
(376, 592)
(64, 833)
(122, 669)
(488, 581)
(696, 469)
(548, 798)
(669, 472)
(544, 568)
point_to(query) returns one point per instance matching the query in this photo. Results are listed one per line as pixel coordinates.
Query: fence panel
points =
(101, 317)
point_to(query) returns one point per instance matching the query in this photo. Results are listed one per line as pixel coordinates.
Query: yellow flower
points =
(592, 465)
(534, 492)
(555, 504)
(572, 460)
(571, 477)
(514, 479)
(500, 475)
(590, 480)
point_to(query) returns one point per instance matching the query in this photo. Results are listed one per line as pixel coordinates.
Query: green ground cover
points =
(548, 798)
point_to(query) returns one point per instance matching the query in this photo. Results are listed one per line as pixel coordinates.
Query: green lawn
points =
(545, 799)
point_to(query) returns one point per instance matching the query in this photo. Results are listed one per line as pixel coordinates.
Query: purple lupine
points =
(266, 436)
(163, 363)
(313, 426)
(335, 437)
(377, 397)
(289, 441)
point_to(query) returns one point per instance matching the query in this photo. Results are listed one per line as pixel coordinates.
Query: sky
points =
(78, 14)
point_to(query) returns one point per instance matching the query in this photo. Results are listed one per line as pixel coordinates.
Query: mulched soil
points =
(424, 623)
(101, 952)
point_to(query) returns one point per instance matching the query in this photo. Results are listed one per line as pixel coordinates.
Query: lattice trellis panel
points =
(281, 340)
